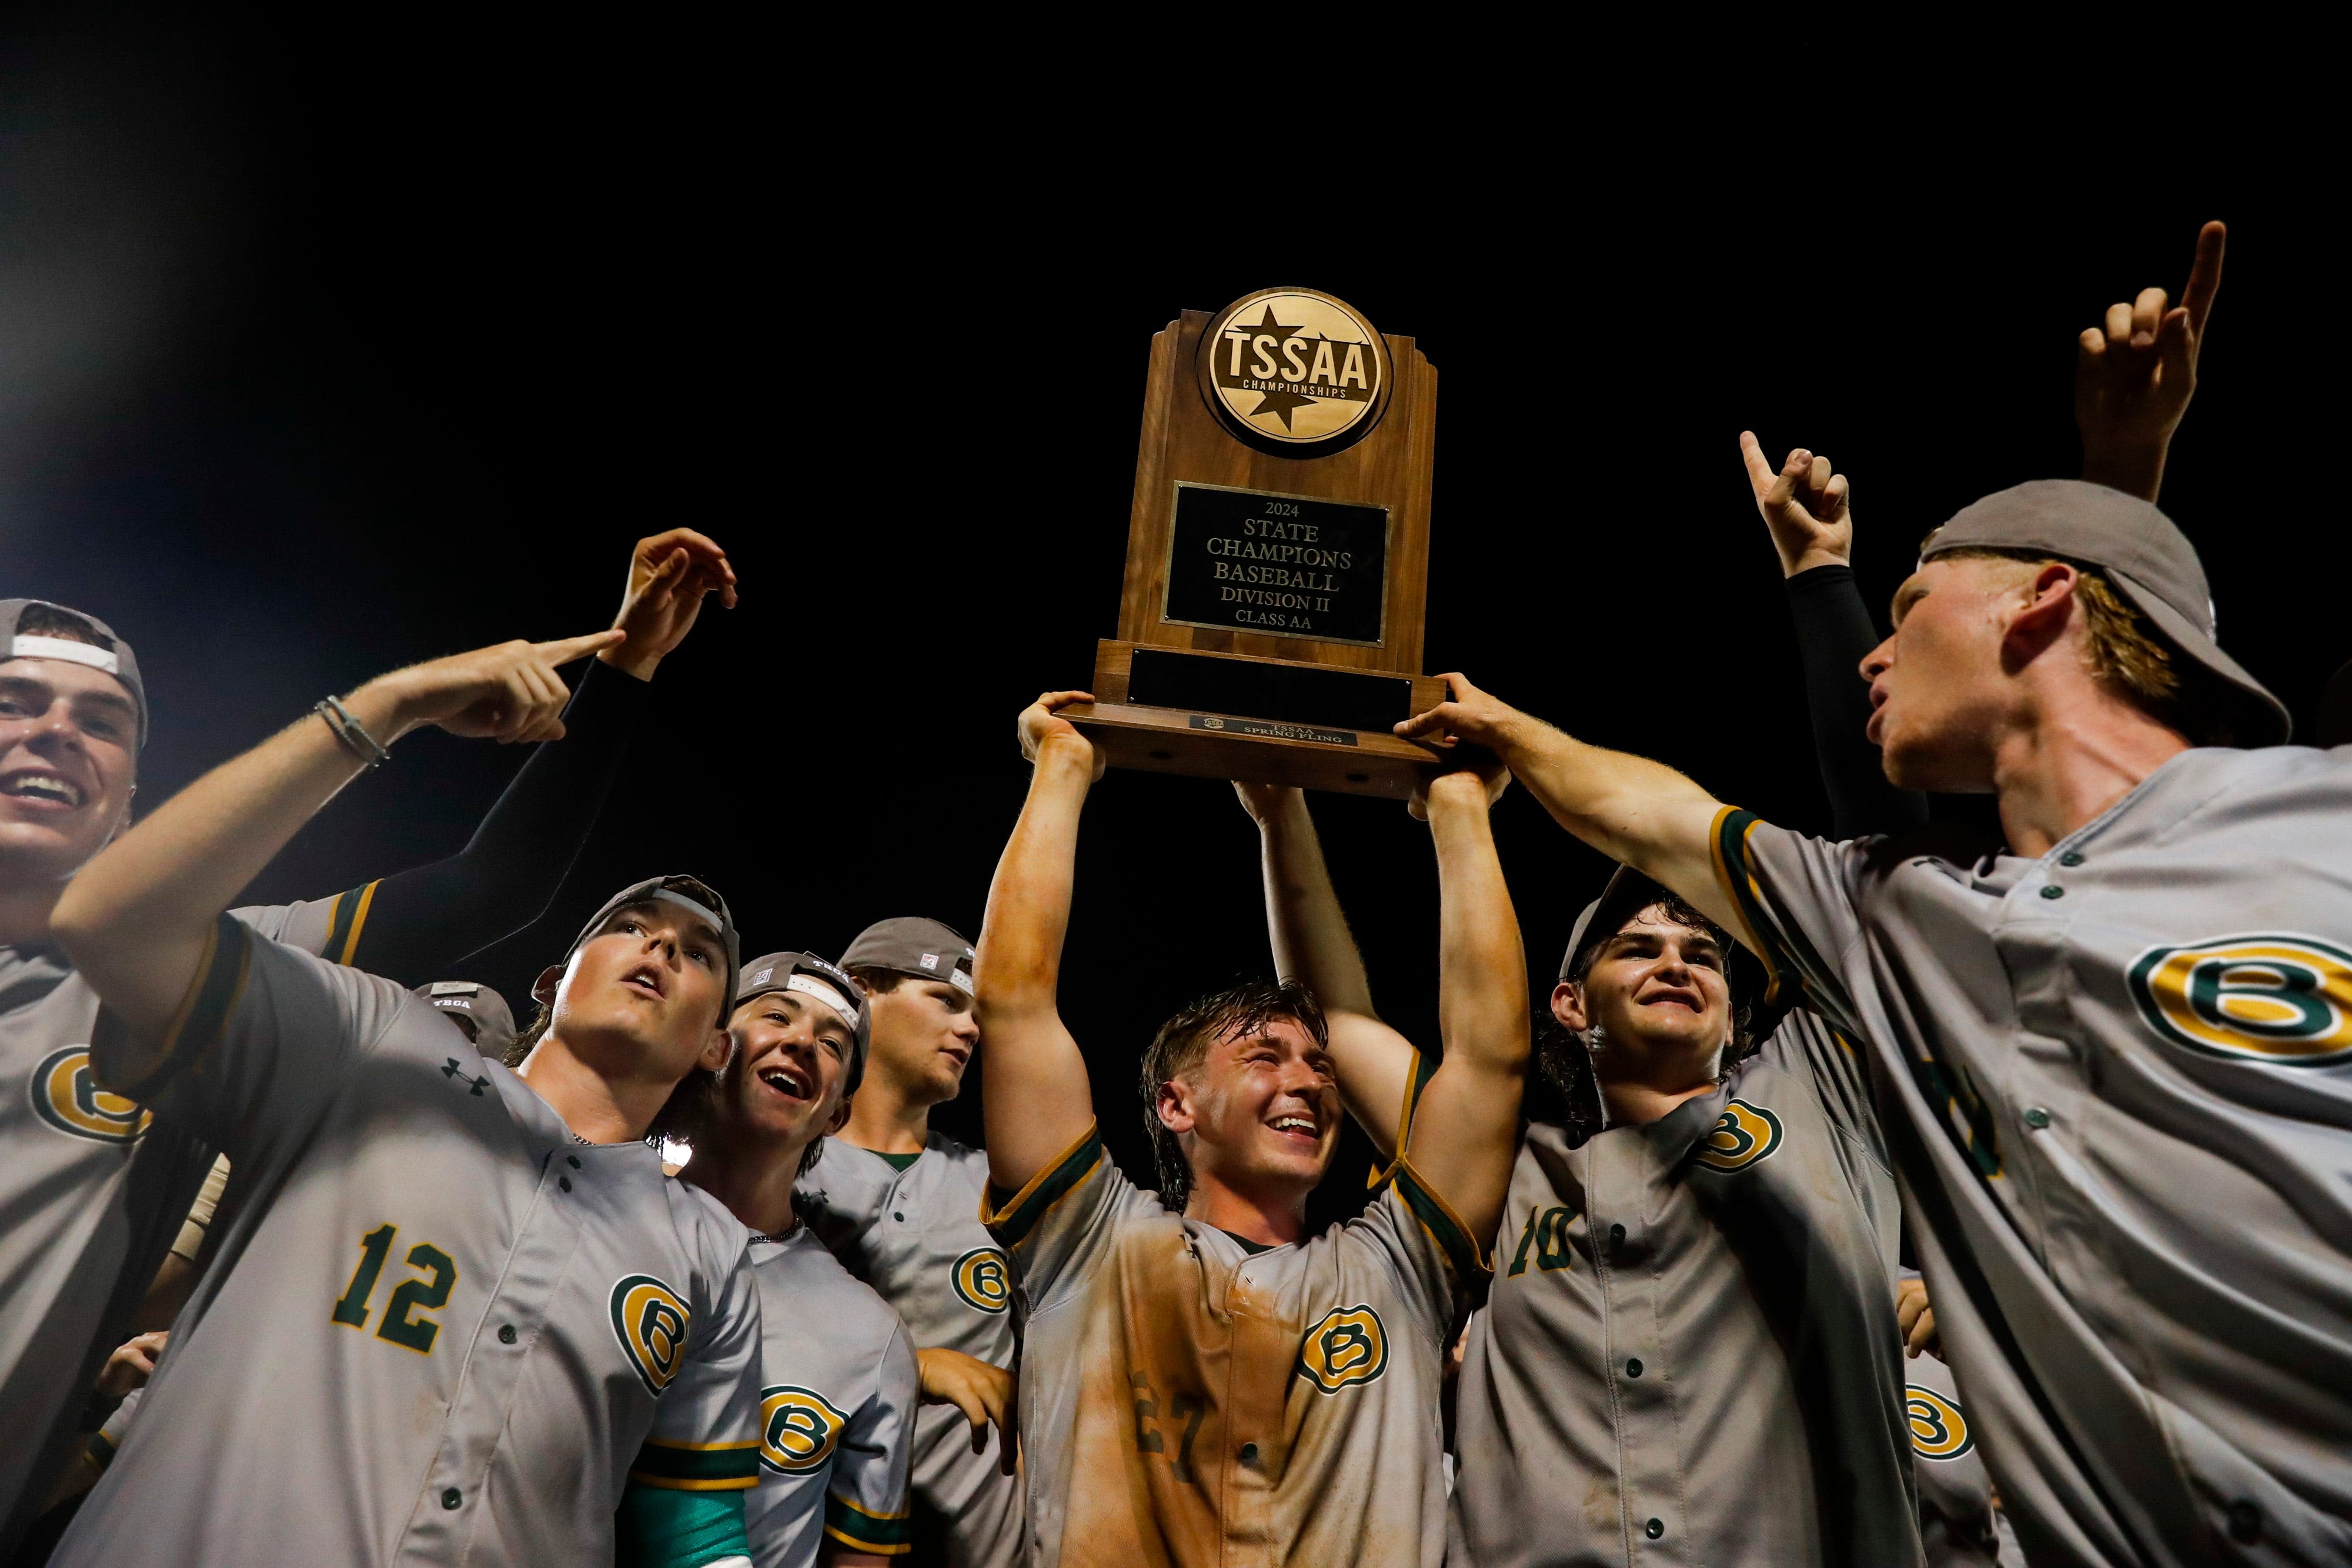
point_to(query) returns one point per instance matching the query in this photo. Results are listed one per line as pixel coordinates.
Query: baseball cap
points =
(1628, 893)
(2143, 553)
(814, 978)
(910, 944)
(477, 1009)
(689, 892)
(116, 658)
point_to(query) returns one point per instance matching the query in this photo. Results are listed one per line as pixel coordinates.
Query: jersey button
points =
(899, 1217)
(1633, 1367)
(452, 1497)
(506, 1334)
(1249, 1453)
(2245, 1522)
(564, 1182)
(1616, 1234)
(573, 1160)
(2036, 1117)
(1655, 1528)
(2052, 890)
(2070, 858)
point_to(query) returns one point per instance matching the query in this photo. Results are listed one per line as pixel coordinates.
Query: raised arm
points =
(1035, 1097)
(1465, 1133)
(2134, 373)
(1312, 944)
(1637, 812)
(423, 922)
(136, 920)
(1806, 507)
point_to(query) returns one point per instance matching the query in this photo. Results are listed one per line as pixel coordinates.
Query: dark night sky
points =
(323, 354)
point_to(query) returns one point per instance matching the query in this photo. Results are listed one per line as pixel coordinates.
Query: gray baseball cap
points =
(689, 892)
(910, 944)
(1627, 894)
(480, 1011)
(2143, 553)
(116, 658)
(819, 981)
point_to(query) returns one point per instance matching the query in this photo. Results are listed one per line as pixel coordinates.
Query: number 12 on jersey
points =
(401, 1324)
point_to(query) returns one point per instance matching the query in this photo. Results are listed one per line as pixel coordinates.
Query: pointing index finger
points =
(563, 650)
(2205, 274)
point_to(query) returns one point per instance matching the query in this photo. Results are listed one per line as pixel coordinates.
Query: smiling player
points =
(838, 1385)
(1202, 1380)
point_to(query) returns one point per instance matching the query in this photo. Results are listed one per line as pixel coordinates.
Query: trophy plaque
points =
(1277, 553)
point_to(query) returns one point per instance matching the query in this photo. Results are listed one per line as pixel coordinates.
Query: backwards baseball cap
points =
(689, 892)
(480, 1011)
(2141, 551)
(910, 944)
(115, 658)
(1628, 893)
(812, 978)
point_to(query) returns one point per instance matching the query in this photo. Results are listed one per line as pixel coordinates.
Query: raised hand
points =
(670, 574)
(132, 1363)
(2134, 373)
(1470, 715)
(1805, 505)
(510, 693)
(984, 1394)
(1472, 775)
(1915, 1319)
(1041, 725)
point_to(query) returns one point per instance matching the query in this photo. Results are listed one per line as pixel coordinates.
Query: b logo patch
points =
(1939, 1431)
(799, 1429)
(67, 1098)
(982, 1281)
(2261, 996)
(1350, 1345)
(1744, 1135)
(651, 1321)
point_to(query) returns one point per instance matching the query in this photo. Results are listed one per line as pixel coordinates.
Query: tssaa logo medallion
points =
(1296, 370)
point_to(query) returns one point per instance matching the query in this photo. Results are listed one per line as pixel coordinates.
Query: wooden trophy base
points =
(1255, 719)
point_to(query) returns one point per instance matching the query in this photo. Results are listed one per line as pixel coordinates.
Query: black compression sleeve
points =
(422, 922)
(1834, 635)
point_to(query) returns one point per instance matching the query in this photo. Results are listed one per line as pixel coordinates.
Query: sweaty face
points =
(923, 1037)
(645, 996)
(785, 1080)
(1937, 686)
(68, 754)
(1657, 985)
(1261, 1109)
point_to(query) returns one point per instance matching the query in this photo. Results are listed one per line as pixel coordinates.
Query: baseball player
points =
(92, 1192)
(1203, 1381)
(1960, 1522)
(1689, 1349)
(448, 1281)
(899, 1204)
(838, 1391)
(2109, 1053)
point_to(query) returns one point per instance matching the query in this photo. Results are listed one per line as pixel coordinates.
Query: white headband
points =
(73, 653)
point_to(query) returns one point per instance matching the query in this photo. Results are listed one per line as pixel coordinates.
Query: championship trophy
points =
(1277, 554)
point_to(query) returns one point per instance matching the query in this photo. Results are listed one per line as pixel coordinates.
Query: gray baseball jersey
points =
(1957, 1521)
(2116, 1081)
(915, 1236)
(1690, 1353)
(837, 1398)
(92, 1195)
(1187, 1400)
(442, 1329)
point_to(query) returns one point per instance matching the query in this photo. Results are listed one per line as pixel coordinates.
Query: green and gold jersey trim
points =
(100, 1449)
(1012, 1221)
(1464, 1255)
(1417, 1080)
(203, 1012)
(697, 1466)
(884, 1535)
(345, 920)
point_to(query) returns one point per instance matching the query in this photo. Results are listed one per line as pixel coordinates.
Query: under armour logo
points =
(454, 1071)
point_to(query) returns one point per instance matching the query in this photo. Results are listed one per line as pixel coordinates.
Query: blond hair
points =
(2129, 656)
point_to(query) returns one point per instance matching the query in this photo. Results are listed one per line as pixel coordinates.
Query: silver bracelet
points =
(352, 734)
